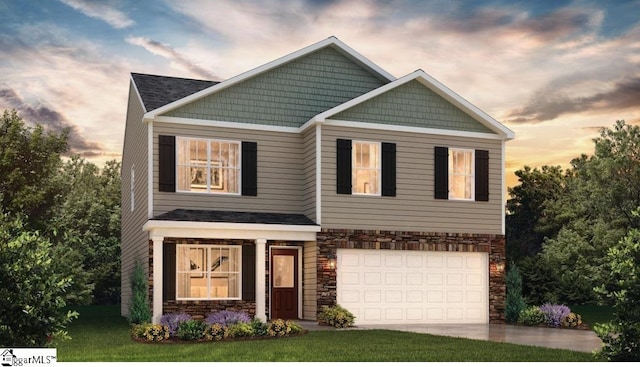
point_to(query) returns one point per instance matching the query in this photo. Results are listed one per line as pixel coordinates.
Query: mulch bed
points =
(175, 340)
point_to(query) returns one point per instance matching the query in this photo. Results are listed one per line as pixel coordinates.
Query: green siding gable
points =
(412, 104)
(288, 95)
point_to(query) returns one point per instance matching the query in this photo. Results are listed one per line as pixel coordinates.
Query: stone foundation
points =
(329, 240)
(200, 309)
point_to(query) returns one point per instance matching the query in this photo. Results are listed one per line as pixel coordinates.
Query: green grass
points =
(592, 314)
(100, 334)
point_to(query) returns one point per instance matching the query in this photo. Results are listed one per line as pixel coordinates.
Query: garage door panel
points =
(393, 286)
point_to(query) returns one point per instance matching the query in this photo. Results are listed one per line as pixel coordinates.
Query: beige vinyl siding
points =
(310, 281)
(135, 242)
(309, 167)
(280, 172)
(414, 208)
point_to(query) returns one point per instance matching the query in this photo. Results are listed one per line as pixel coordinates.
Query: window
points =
(208, 272)
(366, 168)
(205, 165)
(461, 175)
(133, 185)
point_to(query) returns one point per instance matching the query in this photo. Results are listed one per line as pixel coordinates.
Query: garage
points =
(413, 287)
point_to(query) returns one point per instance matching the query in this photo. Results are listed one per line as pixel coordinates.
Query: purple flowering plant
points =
(554, 314)
(173, 321)
(227, 318)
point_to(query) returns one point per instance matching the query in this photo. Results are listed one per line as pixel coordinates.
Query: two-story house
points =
(315, 179)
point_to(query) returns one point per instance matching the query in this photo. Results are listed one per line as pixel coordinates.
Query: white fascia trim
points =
(269, 66)
(227, 124)
(150, 169)
(410, 129)
(433, 85)
(502, 186)
(253, 231)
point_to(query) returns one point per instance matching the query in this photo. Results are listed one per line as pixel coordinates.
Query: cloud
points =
(548, 104)
(172, 55)
(51, 120)
(102, 11)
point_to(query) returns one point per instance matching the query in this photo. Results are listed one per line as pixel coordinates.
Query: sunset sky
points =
(554, 72)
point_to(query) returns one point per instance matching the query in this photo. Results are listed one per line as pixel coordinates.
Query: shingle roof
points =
(235, 217)
(157, 91)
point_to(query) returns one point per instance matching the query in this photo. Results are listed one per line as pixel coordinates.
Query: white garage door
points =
(413, 287)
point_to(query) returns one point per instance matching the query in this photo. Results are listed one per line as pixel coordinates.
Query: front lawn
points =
(100, 334)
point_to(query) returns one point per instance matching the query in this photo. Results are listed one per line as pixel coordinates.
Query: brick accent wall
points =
(329, 240)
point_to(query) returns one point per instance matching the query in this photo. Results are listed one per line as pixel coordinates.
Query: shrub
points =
(621, 286)
(531, 316)
(553, 314)
(156, 332)
(215, 332)
(191, 330)
(173, 320)
(227, 318)
(259, 327)
(336, 316)
(278, 327)
(240, 330)
(293, 327)
(139, 311)
(514, 302)
(138, 330)
(572, 320)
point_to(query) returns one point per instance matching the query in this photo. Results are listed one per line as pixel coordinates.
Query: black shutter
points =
(441, 173)
(169, 271)
(249, 168)
(343, 167)
(388, 169)
(166, 163)
(482, 175)
(249, 273)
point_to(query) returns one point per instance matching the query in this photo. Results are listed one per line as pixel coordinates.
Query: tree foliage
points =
(566, 221)
(139, 311)
(514, 302)
(621, 287)
(34, 293)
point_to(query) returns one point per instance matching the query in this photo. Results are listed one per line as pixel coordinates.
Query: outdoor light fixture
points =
(331, 261)
(500, 267)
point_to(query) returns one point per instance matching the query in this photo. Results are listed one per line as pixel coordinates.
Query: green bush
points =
(531, 316)
(514, 302)
(138, 330)
(622, 288)
(139, 311)
(259, 327)
(216, 332)
(572, 320)
(155, 332)
(294, 328)
(191, 330)
(336, 316)
(241, 330)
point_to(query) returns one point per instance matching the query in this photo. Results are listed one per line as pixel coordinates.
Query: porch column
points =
(261, 244)
(157, 278)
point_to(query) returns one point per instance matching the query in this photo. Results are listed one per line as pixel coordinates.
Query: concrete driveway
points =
(576, 340)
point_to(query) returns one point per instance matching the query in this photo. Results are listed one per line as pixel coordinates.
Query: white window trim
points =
(209, 192)
(208, 273)
(353, 166)
(472, 176)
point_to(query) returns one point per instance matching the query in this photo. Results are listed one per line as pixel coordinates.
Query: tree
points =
(34, 294)
(514, 302)
(29, 162)
(526, 227)
(88, 220)
(139, 311)
(621, 287)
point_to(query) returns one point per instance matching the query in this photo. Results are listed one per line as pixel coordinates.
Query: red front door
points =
(284, 283)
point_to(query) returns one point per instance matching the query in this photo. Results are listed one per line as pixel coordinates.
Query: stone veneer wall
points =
(199, 309)
(329, 240)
